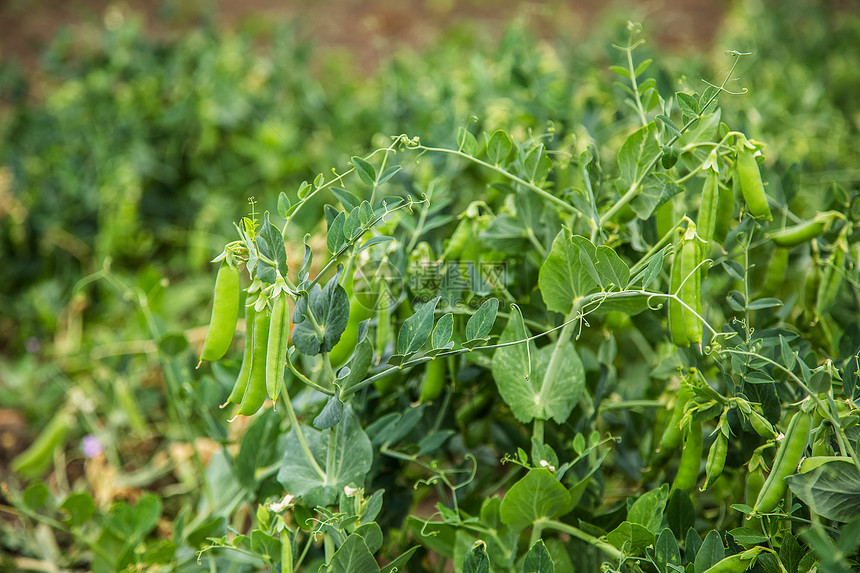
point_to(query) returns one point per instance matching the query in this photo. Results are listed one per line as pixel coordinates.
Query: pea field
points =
(526, 298)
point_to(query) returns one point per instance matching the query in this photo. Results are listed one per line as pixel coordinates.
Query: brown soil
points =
(367, 28)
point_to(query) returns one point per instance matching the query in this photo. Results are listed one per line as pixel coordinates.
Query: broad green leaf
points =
(265, 545)
(442, 331)
(637, 153)
(831, 490)
(366, 171)
(631, 537)
(466, 142)
(365, 212)
(264, 430)
(562, 278)
(481, 322)
(351, 224)
(656, 190)
(330, 414)
(521, 377)
(272, 244)
(79, 507)
(711, 552)
(538, 560)
(347, 199)
(790, 553)
(476, 560)
(652, 270)
(648, 509)
(353, 557)
(536, 164)
(612, 270)
(588, 258)
(373, 241)
(416, 329)
(283, 205)
(399, 563)
(666, 550)
(334, 237)
(353, 455)
(499, 147)
(330, 308)
(388, 174)
(748, 536)
(359, 364)
(36, 495)
(372, 535)
(680, 513)
(536, 496)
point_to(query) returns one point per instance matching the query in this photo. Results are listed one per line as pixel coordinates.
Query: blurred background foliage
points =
(133, 141)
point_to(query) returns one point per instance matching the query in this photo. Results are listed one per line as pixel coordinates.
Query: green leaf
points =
(365, 213)
(352, 458)
(466, 142)
(519, 375)
(373, 241)
(334, 237)
(330, 308)
(562, 278)
(499, 147)
(711, 552)
(482, 321)
(347, 199)
(398, 565)
(536, 164)
(536, 496)
(637, 154)
(351, 224)
(611, 269)
(359, 364)
(388, 174)
(666, 550)
(476, 560)
(416, 329)
(652, 270)
(442, 331)
(680, 513)
(790, 553)
(366, 171)
(265, 545)
(79, 507)
(264, 430)
(353, 557)
(764, 303)
(538, 560)
(831, 490)
(330, 414)
(689, 104)
(647, 511)
(36, 495)
(748, 536)
(631, 537)
(283, 205)
(372, 535)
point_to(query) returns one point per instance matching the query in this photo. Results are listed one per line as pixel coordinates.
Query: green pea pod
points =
(691, 457)
(831, 281)
(225, 313)
(760, 424)
(725, 209)
(461, 238)
(784, 464)
(805, 231)
(434, 380)
(737, 563)
(716, 459)
(692, 288)
(255, 392)
(276, 349)
(749, 178)
(33, 462)
(672, 435)
(776, 270)
(665, 217)
(706, 222)
(247, 357)
(677, 324)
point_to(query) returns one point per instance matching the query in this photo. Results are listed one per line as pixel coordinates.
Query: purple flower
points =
(91, 446)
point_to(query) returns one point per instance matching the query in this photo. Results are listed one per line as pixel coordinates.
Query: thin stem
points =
(294, 421)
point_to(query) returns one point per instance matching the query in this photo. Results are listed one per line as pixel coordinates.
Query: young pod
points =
(784, 464)
(672, 435)
(749, 179)
(434, 379)
(725, 209)
(805, 231)
(776, 270)
(691, 457)
(255, 392)
(247, 357)
(276, 349)
(225, 313)
(831, 281)
(691, 290)
(677, 324)
(737, 563)
(716, 459)
(706, 222)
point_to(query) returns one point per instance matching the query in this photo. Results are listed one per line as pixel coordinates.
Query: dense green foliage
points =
(679, 254)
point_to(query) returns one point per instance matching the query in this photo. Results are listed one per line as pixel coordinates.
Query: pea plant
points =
(536, 352)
